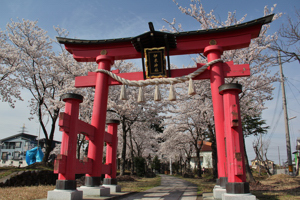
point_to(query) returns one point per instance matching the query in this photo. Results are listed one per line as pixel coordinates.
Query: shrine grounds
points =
(276, 187)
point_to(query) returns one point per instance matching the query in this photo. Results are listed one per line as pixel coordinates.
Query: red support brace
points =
(229, 70)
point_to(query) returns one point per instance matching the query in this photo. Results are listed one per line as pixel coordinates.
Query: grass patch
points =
(25, 193)
(140, 185)
(40, 192)
(5, 171)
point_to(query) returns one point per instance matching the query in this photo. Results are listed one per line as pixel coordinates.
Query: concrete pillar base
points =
(113, 188)
(218, 191)
(64, 195)
(247, 196)
(95, 191)
(207, 196)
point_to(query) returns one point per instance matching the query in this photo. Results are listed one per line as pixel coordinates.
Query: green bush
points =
(140, 166)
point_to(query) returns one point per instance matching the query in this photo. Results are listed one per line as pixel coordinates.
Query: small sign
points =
(155, 62)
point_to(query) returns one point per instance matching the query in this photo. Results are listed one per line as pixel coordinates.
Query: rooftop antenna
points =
(23, 129)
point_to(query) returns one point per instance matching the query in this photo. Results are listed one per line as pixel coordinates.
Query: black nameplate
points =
(155, 62)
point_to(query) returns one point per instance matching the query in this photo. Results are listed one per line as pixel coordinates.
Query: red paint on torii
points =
(229, 70)
(210, 42)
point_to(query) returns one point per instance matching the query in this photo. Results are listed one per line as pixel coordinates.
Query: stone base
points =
(247, 196)
(64, 195)
(207, 196)
(95, 191)
(113, 188)
(218, 191)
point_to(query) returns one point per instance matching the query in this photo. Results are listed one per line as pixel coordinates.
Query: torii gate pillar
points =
(237, 187)
(214, 52)
(95, 151)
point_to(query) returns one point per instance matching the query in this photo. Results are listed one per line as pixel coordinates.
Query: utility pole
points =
(170, 166)
(279, 157)
(286, 120)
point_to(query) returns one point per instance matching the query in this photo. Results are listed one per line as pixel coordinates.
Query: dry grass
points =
(140, 185)
(24, 193)
(278, 187)
(40, 192)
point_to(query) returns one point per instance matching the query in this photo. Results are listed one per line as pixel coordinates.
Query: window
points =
(17, 154)
(18, 144)
(4, 156)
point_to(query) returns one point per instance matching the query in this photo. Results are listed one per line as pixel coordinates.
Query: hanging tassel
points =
(141, 97)
(192, 90)
(157, 95)
(172, 96)
(123, 95)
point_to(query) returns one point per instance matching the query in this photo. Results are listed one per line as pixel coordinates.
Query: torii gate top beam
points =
(191, 42)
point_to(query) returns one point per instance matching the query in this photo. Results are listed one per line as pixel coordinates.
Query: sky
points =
(107, 19)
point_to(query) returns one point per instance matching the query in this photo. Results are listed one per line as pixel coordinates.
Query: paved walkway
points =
(171, 188)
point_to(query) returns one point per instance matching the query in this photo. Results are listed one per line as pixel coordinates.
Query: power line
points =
(294, 79)
(276, 106)
(273, 130)
(292, 92)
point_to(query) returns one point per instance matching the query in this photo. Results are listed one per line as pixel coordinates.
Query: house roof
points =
(206, 145)
(44, 140)
(257, 160)
(24, 135)
(206, 148)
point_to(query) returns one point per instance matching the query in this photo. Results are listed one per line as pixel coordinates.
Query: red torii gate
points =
(210, 42)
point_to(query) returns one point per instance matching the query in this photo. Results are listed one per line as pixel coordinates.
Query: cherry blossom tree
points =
(131, 113)
(9, 90)
(45, 74)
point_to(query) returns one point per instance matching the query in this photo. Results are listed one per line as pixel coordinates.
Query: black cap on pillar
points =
(67, 96)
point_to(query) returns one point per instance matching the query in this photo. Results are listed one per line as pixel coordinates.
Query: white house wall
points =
(206, 160)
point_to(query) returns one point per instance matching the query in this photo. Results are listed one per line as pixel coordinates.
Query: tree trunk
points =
(189, 164)
(248, 170)
(123, 154)
(214, 157)
(199, 171)
(131, 153)
(49, 140)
